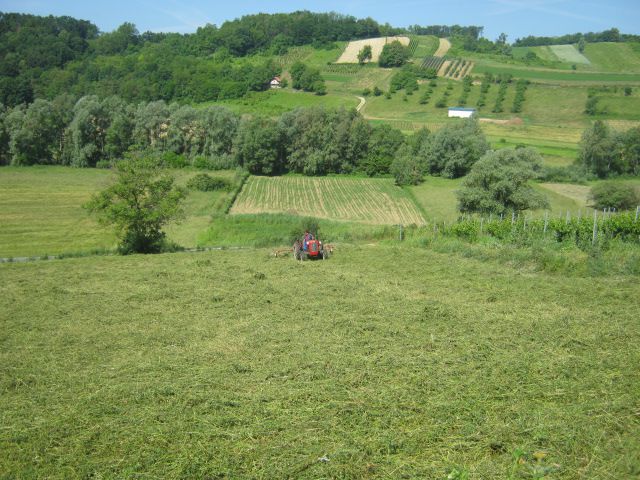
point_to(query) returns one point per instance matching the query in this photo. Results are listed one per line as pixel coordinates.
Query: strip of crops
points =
(413, 45)
(376, 201)
(582, 231)
(433, 62)
(346, 68)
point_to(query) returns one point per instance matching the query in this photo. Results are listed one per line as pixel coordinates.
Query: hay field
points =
(569, 53)
(350, 54)
(375, 201)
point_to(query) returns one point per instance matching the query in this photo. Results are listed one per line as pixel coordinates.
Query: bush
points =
(618, 195)
(206, 183)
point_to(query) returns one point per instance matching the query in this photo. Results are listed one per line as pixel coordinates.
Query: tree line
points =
(313, 141)
(611, 35)
(43, 57)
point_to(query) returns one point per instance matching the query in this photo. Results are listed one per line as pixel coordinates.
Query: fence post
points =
(595, 227)
(546, 222)
(568, 219)
(481, 224)
(637, 213)
(513, 217)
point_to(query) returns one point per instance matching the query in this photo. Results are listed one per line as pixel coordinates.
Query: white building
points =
(276, 82)
(462, 112)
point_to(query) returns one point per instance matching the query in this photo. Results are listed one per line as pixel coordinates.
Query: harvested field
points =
(350, 54)
(375, 201)
(444, 47)
(569, 53)
(444, 68)
(579, 193)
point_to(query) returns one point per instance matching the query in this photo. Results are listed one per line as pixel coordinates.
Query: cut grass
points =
(386, 362)
(569, 54)
(41, 210)
(375, 201)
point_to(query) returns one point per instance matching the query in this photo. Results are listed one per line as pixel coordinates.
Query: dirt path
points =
(443, 48)
(361, 104)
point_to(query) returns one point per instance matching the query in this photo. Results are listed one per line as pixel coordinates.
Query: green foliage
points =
(499, 183)
(206, 183)
(591, 106)
(406, 168)
(393, 54)
(598, 150)
(307, 78)
(365, 54)
(140, 202)
(454, 149)
(383, 144)
(258, 146)
(518, 100)
(404, 79)
(618, 195)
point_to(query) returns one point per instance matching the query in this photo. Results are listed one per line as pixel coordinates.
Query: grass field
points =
(375, 201)
(41, 211)
(275, 102)
(386, 362)
(613, 57)
(569, 54)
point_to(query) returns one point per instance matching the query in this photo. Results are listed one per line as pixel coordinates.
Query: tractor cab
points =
(313, 248)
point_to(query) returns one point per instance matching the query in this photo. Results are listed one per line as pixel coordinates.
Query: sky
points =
(516, 18)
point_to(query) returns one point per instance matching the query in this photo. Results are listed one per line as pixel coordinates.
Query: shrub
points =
(618, 195)
(206, 183)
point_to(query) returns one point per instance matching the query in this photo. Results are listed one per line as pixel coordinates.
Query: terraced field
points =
(375, 201)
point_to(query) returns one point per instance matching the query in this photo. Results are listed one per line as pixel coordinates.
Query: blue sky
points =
(517, 18)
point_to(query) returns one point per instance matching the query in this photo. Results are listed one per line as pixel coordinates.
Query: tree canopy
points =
(454, 149)
(138, 204)
(393, 54)
(499, 183)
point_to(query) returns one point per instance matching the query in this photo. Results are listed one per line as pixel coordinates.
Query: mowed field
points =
(41, 211)
(383, 362)
(376, 201)
(350, 54)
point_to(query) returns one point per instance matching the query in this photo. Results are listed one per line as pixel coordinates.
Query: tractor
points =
(314, 250)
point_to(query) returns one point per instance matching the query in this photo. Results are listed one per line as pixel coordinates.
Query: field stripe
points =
(376, 201)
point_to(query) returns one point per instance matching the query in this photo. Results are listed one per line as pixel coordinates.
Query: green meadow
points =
(237, 364)
(41, 211)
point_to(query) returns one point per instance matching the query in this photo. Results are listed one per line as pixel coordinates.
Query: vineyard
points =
(347, 68)
(457, 68)
(375, 201)
(433, 62)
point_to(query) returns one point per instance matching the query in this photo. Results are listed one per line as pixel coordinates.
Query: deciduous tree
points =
(141, 201)
(499, 183)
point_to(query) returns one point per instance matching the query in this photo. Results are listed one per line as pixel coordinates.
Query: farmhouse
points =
(461, 112)
(275, 82)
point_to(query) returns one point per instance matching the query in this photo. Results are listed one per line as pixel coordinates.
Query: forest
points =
(43, 57)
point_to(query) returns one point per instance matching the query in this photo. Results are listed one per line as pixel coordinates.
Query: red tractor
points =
(310, 249)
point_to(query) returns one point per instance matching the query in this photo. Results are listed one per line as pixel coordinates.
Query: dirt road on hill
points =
(443, 48)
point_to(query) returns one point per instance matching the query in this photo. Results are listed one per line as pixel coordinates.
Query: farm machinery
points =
(310, 250)
(307, 249)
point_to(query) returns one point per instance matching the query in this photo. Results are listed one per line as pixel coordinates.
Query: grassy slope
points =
(613, 57)
(41, 211)
(235, 364)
